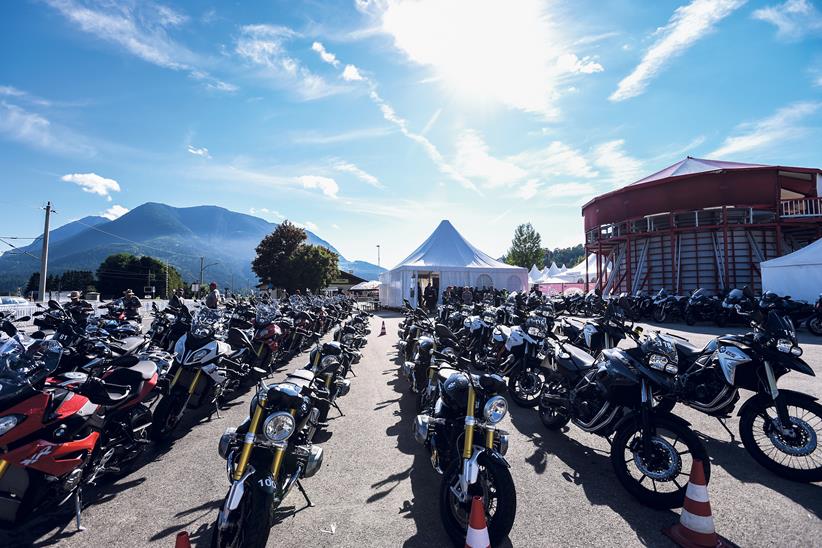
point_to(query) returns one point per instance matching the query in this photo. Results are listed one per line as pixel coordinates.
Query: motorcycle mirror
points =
(53, 304)
(259, 371)
(39, 313)
(23, 319)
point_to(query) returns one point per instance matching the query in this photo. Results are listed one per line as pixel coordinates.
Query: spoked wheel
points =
(815, 325)
(525, 385)
(793, 453)
(657, 475)
(496, 487)
(660, 315)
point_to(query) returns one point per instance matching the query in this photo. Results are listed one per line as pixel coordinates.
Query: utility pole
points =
(202, 268)
(378, 254)
(166, 292)
(44, 256)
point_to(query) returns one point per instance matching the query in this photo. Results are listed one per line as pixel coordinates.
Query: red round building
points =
(701, 223)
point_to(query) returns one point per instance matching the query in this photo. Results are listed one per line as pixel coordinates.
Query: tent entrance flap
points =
(422, 281)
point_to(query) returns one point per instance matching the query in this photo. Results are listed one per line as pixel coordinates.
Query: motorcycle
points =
(702, 307)
(468, 449)
(265, 456)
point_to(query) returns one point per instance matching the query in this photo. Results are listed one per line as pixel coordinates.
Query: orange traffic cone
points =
(382, 331)
(696, 524)
(477, 536)
(182, 540)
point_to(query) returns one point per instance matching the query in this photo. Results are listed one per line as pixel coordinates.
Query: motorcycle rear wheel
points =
(496, 486)
(815, 326)
(690, 317)
(552, 417)
(660, 315)
(755, 429)
(665, 453)
(525, 386)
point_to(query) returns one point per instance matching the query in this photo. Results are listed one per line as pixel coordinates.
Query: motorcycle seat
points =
(444, 372)
(127, 345)
(300, 377)
(105, 393)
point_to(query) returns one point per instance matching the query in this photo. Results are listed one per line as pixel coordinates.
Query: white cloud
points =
(782, 126)
(529, 189)
(621, 168)
(264, 46)
(509, 50)
(139, 28)
(568, 62)
(335, 226)
(687, 25)
(115, 212)
(316, 138)
(326, 56)
(93, 183)
(556, 160)
(351, 74)
(311, 226)
(570, 189)
(347, 167)
(265, 211)
(793, 19)
(11, 91)
(431, 121)
(326, 185)
(474, 160)
(35, 130)
(199, 151)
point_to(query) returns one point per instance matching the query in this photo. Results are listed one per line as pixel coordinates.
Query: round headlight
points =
(7, 423)
(329, 361)
(279, 426)
(796, 351)
(495, 409)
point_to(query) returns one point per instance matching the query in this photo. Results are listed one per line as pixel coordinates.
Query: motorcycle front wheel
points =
(815, 325)
(496, 487)
(659, 315)
(657, 476)
(797, 455)
(167, 414)
(249, 528)
(525, 385)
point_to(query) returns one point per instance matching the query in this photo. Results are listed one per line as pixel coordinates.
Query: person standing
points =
(213, 299)
(467, 296)
(430, 297)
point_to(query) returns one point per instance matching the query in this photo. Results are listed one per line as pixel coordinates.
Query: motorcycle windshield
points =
(21, 356)
(780, 326)
(205, 322)
(266, 314)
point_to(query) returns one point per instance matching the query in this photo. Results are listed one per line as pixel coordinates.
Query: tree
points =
(526, 248)
(313, 267)
(33, 283)
(569, 256)
(79, 280)
(285, 261)
(126, 271)
(274, 252)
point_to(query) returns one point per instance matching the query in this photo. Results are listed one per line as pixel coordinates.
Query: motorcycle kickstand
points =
(352, 372)
(77, 509)
(337, 407)
(302, 490)
(728, 430)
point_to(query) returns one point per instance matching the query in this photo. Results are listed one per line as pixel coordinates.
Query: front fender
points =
(763, 398)
(489, 456)
(634, 415)
(797, 364)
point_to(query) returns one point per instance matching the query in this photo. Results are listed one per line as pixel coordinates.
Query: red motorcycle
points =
(59, 434)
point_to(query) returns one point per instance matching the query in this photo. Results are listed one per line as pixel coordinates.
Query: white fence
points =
(30, 309)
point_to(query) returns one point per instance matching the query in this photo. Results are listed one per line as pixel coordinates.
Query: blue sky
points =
(370, 121)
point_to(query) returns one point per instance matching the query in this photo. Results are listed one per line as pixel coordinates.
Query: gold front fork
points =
(176, 377)
(489, 437)
(195, 381)
(279, 453)
(328, 378)
(468, 446)
(4, 464)
(248, 442)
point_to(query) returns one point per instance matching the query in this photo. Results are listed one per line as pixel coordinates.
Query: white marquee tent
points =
(447, 259)
(534, 274)
(798, 274)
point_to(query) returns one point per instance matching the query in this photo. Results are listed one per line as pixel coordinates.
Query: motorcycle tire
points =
(645, 491)
(664, 405)
(454, 515)
(525, 376)
(749, 432)
(167, 415)
(553, 418)
(254, 526)
(690, 318)
(660, 315)
(815, 326)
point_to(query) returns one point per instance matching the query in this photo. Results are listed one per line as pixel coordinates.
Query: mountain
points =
(226, 240)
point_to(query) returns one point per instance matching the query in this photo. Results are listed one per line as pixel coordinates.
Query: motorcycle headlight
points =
(533, 331)
(8, 422)
(328, 361)
(198, 355)
(495, 409)
(784, 345)
(657, 361)
(279, 426)
(796, 351)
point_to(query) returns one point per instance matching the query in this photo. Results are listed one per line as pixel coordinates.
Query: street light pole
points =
(378, 255)
(44, 256)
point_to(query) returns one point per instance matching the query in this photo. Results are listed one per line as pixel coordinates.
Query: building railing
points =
(803, 207)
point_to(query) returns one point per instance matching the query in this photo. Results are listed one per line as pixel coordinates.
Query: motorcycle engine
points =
(591, 409)
(704, 388)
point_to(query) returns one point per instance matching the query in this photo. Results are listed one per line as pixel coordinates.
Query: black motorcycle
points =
(266, 456)
(701, 307)
(651, 450)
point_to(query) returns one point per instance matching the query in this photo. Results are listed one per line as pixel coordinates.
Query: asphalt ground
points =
(378, 489)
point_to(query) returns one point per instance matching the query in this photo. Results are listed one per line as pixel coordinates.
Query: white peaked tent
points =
(798, 274)
(448, 259)
(534, 274)
(563, 268)
(553, 270)
(577, 272)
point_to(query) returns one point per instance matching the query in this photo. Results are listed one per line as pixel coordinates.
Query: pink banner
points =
(564, 288)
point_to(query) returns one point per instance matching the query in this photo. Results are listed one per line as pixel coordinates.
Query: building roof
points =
(690, 166)
(446, 247)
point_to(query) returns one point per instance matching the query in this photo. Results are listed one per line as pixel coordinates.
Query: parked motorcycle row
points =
(574, 370)
(699, 305)
(84, 396)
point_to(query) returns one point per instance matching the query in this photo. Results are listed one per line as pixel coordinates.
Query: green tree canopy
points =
(79, 280)
(285, 261)
(126, 271)
(526, 247)
(569, 256)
